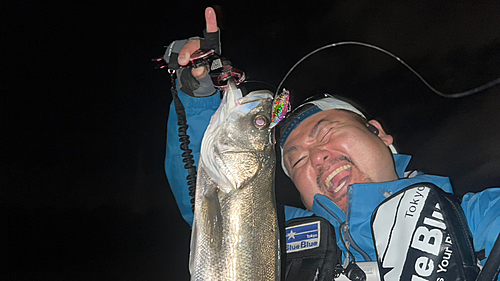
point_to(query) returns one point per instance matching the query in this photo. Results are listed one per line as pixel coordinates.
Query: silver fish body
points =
(235, 233)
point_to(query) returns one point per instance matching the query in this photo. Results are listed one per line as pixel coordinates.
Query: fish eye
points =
(260, 121)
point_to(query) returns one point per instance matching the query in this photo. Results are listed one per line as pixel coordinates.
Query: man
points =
(343, 164)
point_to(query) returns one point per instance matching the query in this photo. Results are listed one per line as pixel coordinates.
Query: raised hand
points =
(194, 44)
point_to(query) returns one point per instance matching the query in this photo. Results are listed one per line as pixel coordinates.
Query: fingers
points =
(194, 44)
(211, 19)
(199, 72)
(186, 51)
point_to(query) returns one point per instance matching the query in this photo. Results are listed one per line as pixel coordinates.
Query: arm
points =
(198, 113)
(200, 103)
(483, 216)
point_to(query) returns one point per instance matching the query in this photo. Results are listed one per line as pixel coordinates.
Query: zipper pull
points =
(354, 272)
(347, 244)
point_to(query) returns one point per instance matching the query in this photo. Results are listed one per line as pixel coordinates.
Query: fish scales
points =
(249, 246)
(207, 225)
(235, 233)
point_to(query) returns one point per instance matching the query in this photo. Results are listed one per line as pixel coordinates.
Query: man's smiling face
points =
(331, 150)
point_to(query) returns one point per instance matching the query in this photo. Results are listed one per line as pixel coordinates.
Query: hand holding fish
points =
(194, 44)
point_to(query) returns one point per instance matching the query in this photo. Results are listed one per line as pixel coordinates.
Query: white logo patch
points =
(302, 237)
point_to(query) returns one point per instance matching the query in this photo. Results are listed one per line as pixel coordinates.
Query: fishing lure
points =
(281, 108)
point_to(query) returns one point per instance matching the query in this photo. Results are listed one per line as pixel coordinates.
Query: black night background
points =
(83, 190)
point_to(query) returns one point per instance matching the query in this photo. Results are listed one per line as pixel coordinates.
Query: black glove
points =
(187, 83)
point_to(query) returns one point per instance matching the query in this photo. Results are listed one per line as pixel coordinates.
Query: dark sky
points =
(83, 191)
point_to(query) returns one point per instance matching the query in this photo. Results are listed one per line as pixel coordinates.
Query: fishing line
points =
(454, 95)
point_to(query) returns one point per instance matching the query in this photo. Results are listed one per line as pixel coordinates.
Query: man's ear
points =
(387, 139)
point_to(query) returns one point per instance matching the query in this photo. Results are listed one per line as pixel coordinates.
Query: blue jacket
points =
(482, 210)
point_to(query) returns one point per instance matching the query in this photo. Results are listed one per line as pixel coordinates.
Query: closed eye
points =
(298, 161)
(325, 135)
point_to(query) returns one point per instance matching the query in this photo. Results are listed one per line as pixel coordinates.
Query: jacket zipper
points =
(345, 230)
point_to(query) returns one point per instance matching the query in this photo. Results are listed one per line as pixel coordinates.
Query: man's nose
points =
(319, 156)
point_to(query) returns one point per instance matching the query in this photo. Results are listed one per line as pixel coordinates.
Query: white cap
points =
(326, 103)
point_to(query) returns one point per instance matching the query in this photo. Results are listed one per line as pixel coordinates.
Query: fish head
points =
(238, 141)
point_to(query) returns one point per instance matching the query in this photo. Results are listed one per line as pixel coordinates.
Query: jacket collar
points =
(325, 207)
(401, 162)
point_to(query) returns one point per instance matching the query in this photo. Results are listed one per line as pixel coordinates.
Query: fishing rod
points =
(453, 95)
(282, 99)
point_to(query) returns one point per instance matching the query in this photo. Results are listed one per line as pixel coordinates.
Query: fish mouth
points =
(338, 178)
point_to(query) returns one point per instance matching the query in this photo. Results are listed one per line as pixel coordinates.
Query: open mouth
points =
(342, 173)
